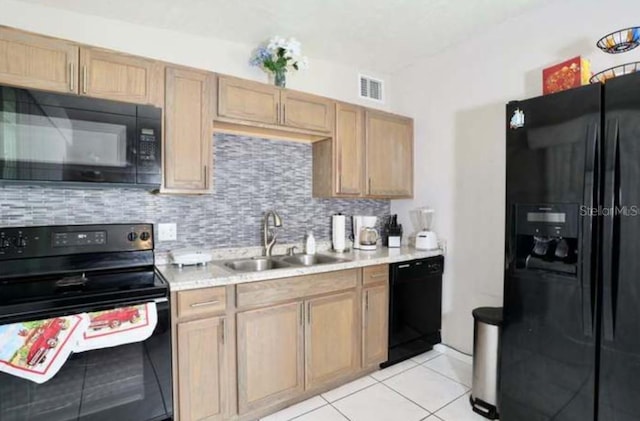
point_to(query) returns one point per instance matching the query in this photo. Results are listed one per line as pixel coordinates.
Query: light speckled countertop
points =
(215, 274)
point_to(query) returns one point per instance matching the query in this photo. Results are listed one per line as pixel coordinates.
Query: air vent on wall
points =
(371, 88)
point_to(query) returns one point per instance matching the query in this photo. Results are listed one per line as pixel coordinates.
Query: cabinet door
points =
(248, 101)
(202, 370)
(375, 325)
(36, 62)
(304, 111)
(188, 131)
(270, 355)
(109, 75)
(332, 338)
(349, 149)
(389, 143)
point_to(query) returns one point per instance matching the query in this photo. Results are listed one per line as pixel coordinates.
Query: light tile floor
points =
(429, 387)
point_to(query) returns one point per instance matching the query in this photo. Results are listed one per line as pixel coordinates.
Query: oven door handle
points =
(24, 316)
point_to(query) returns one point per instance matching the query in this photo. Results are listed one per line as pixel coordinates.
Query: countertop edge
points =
(214, 274)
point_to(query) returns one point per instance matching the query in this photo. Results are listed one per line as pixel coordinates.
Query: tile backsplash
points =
(251, 176)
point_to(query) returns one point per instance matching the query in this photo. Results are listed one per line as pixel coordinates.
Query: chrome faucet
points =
(269, 235)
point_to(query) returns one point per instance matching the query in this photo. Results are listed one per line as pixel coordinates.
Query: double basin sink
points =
(259, 264)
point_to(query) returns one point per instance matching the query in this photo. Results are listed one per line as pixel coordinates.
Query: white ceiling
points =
(376, 35)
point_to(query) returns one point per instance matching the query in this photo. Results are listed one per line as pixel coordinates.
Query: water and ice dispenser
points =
(547, 237)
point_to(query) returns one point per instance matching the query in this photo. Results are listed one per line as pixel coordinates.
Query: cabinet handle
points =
(377, 275)
(277, 113)
(222, 331)
(369, 185)
(339, 183)
(71, 84)
(205, 303)
(284, 113)
(84, 79)
(366, 301)
(206, 182)
(309, 313)
(301, 314)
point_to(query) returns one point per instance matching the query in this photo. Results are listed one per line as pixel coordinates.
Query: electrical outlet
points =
(167, 232)
(442, 243)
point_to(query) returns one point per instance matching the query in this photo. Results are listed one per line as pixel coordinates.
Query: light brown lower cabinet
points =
(270, 355)
(285, 340)
(203, 386)
(375, 309)
(332, 339)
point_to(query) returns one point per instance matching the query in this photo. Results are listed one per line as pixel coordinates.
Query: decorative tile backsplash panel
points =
(251, 176)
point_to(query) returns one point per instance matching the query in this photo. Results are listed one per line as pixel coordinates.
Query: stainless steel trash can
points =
(487, 325)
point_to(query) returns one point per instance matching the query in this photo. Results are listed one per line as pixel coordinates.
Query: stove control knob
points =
(21, 242)
(4, 243)
(132, 236)
(144, 235)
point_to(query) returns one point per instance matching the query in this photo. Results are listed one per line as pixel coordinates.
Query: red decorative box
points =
(566, 75)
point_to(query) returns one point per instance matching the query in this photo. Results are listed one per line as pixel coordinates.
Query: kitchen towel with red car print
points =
(37, 350)
(120, 326)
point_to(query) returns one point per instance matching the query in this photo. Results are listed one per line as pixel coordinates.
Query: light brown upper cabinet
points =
(370, 155)
(248, 101)
(389, 152)
(270, 355)
(245, 102)
(37, 62)
(375, 321)
(120, 77)
(338, 162)
(332, 339)
(304, 111)
(203, 385)
(188, 131)
(349, 144)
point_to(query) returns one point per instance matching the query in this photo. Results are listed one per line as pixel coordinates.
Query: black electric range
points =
(52, 271)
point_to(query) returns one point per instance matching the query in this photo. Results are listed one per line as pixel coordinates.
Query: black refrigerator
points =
(571, 336)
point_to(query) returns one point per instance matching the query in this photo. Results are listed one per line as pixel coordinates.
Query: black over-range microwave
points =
(47, 137)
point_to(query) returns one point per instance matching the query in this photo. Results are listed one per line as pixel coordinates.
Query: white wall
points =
(326, 78)
(457, 99)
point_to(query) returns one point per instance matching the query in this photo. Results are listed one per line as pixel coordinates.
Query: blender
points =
(425, 238)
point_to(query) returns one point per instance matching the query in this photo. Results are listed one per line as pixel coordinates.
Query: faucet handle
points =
(291, 251)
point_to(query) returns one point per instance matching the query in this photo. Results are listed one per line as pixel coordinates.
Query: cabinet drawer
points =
(201, 302)
(278, 290)
(375, 274)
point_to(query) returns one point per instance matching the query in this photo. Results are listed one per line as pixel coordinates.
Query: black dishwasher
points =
(415, 307)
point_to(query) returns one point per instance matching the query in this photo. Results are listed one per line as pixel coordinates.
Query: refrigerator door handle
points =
(609, 272)
(586, 277)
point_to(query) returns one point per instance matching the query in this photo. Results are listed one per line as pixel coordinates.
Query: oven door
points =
(126, 383)
(60, 138)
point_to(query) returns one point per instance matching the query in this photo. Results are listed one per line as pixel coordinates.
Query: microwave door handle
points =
(609, 221)
(586, 276)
